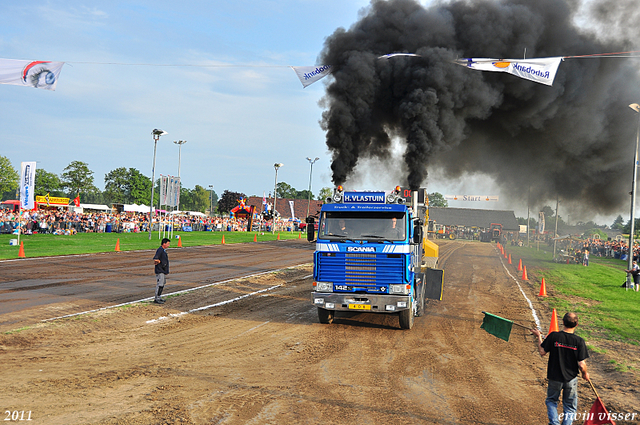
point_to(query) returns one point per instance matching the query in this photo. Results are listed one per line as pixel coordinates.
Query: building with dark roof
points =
(474, 218)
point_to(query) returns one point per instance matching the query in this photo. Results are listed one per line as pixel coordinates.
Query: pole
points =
(528, 218)
(275, 197)
(555, 234)
(153, 181)
(310, 175)
(156, 136)
(633, 199)
(179, 143)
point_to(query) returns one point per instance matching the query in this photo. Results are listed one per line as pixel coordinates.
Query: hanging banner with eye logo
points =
(38, 74)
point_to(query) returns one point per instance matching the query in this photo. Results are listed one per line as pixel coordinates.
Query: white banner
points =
(27, 185)
(540, 70)
(163, 189)
(293, 215)
(173, 191)
(470, 198)
(38, 74)
(541, 222)
(310, 74)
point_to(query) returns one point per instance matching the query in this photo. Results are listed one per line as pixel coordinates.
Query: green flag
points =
(496, 326)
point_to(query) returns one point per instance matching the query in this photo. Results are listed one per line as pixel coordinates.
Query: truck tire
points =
(325, 316)
(406, 318)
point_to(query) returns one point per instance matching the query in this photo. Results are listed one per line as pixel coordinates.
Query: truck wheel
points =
(406, 317)
(325, 316)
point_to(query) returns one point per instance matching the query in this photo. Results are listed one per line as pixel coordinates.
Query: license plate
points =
(359, 307)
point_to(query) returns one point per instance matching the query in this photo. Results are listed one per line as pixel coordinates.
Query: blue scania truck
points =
(372, 255)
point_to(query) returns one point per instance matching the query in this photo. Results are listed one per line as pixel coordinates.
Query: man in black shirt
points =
(567, 355)
(161, 261)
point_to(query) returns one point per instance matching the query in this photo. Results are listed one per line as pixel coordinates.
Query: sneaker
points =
(159, 301)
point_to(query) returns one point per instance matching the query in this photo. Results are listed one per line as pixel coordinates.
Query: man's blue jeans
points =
(569, 401)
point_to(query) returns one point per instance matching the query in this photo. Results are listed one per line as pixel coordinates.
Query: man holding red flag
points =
(568, 353)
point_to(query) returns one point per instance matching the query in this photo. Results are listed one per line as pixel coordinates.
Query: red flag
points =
(598, 414)
(76, 201)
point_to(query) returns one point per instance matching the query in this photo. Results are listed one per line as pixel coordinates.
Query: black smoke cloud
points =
(574, 139)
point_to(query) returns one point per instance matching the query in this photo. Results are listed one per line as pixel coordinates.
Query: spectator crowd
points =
(67, 223)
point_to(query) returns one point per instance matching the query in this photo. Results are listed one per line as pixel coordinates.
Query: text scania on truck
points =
(372, 255)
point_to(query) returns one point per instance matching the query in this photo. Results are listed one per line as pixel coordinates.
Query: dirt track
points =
(264, 358)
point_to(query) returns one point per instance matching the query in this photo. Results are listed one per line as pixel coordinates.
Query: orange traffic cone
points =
(553, 327)
(21, 250)
(118, 245)
(509, 258)
(179, 241)
(278, 236)
(223, 240)
(524, 273)
(299, 235)
(255, 237)
(505, 254)
(543, 289)
(520, 265)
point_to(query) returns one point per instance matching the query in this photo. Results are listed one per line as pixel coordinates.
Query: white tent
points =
(95, 207)
(136, 208)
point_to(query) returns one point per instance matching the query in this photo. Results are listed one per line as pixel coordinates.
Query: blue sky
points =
(238, 105)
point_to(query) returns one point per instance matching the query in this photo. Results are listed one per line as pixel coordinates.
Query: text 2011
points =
(17, 415)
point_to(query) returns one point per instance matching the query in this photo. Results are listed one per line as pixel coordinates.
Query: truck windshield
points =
(363, 225)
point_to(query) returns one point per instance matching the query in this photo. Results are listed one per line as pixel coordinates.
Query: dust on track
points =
(264, 359)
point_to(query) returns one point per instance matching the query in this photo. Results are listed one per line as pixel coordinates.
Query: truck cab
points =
(369, 257)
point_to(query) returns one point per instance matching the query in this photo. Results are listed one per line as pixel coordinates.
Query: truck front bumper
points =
(366, 303)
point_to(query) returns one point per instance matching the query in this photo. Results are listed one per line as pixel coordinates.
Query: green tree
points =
(618, 223)
(9, 176)
(436, 199)
(77, 178)
(200, 198)
(139, 189)
(127, 186)
(229, 200)
(47, 182)
(285, 190)
(325, 193)
(303, 194)
(116, 185)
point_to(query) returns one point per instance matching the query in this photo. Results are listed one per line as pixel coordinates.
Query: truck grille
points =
(360, 269)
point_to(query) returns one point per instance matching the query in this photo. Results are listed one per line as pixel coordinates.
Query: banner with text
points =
(27, 185)
(470, 198)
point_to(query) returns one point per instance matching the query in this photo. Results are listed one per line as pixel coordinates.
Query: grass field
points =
(606, 310)
(83, 243)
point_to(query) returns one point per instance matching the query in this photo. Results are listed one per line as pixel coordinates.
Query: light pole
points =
(156, 135)
(179, 143)
(311, 162)
(211, 200)
(275, 196)
(636, 108)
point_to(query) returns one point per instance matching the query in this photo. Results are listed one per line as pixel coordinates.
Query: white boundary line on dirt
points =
(174, 293)
(206, 307)
(533, 310)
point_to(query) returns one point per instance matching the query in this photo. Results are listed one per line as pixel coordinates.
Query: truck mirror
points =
(311, 230)
(417, 232)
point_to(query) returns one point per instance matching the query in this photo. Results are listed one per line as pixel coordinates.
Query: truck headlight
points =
(324, 286)
(399, 289)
